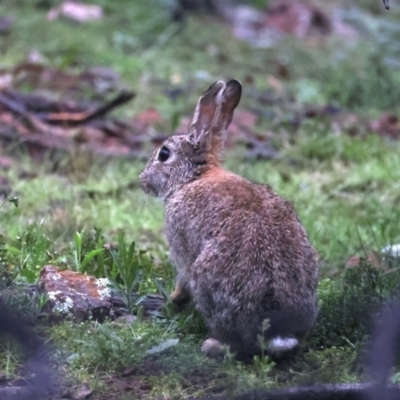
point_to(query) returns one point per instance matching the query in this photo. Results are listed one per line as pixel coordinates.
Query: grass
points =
(345, 188)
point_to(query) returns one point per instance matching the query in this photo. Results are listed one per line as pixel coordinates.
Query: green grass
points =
(346, 190)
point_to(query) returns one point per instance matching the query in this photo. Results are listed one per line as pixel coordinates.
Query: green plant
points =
(348, 303)
(30, 305)
(262, 363)
(36, 305)
(81, 262)
(108, 346)
(13, 200)
(7, 274)
(127, 272)
(11, 357)
(29, 252)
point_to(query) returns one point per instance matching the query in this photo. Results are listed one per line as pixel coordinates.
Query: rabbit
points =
(241, 253)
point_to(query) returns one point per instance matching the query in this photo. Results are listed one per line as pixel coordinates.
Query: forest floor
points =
(317, 121)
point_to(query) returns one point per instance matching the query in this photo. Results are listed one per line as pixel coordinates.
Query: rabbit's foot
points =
(212, 348)
(180, 296)
(280, 345)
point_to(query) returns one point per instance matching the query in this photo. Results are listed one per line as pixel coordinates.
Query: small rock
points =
(78, 295)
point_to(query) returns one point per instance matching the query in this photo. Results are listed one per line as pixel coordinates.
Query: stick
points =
(68, 118)
(83, 117)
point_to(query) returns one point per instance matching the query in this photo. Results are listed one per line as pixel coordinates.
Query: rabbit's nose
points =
(146, 185)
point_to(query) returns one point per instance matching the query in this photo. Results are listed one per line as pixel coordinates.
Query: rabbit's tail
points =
(279, 344)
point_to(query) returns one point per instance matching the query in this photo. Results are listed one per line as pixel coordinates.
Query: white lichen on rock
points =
(61, 306)
(56, 277)
(103, 283)
(52, 295)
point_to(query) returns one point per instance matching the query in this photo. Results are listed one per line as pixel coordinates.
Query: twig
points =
(68, 118)
(84, 117)
(13, 106)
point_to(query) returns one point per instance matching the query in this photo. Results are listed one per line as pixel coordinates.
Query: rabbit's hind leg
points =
(180, 296)
(228, 341)
(213, 348)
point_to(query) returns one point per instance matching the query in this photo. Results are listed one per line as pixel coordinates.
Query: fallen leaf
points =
(387, 125)
(373, 258)
(284, 17)
(297, 18)
(76, 11)
(148, 117)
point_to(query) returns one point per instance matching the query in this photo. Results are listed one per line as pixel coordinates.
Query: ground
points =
(341, 173)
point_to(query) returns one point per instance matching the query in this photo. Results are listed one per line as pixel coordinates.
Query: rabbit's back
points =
(242, 243)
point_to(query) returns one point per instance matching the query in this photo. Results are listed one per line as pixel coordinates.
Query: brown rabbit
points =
(240, 251)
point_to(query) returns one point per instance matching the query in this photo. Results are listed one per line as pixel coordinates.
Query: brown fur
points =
(240, 251)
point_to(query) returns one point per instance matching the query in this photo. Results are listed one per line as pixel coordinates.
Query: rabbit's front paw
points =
(180, 296)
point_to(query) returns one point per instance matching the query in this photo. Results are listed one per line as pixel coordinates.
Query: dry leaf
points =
(76, 11)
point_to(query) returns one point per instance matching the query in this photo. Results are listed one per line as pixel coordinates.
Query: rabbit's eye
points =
(163, 154)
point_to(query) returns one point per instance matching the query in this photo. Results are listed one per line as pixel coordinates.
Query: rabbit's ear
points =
(230, 100)
(214, 113)
(206, 109)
